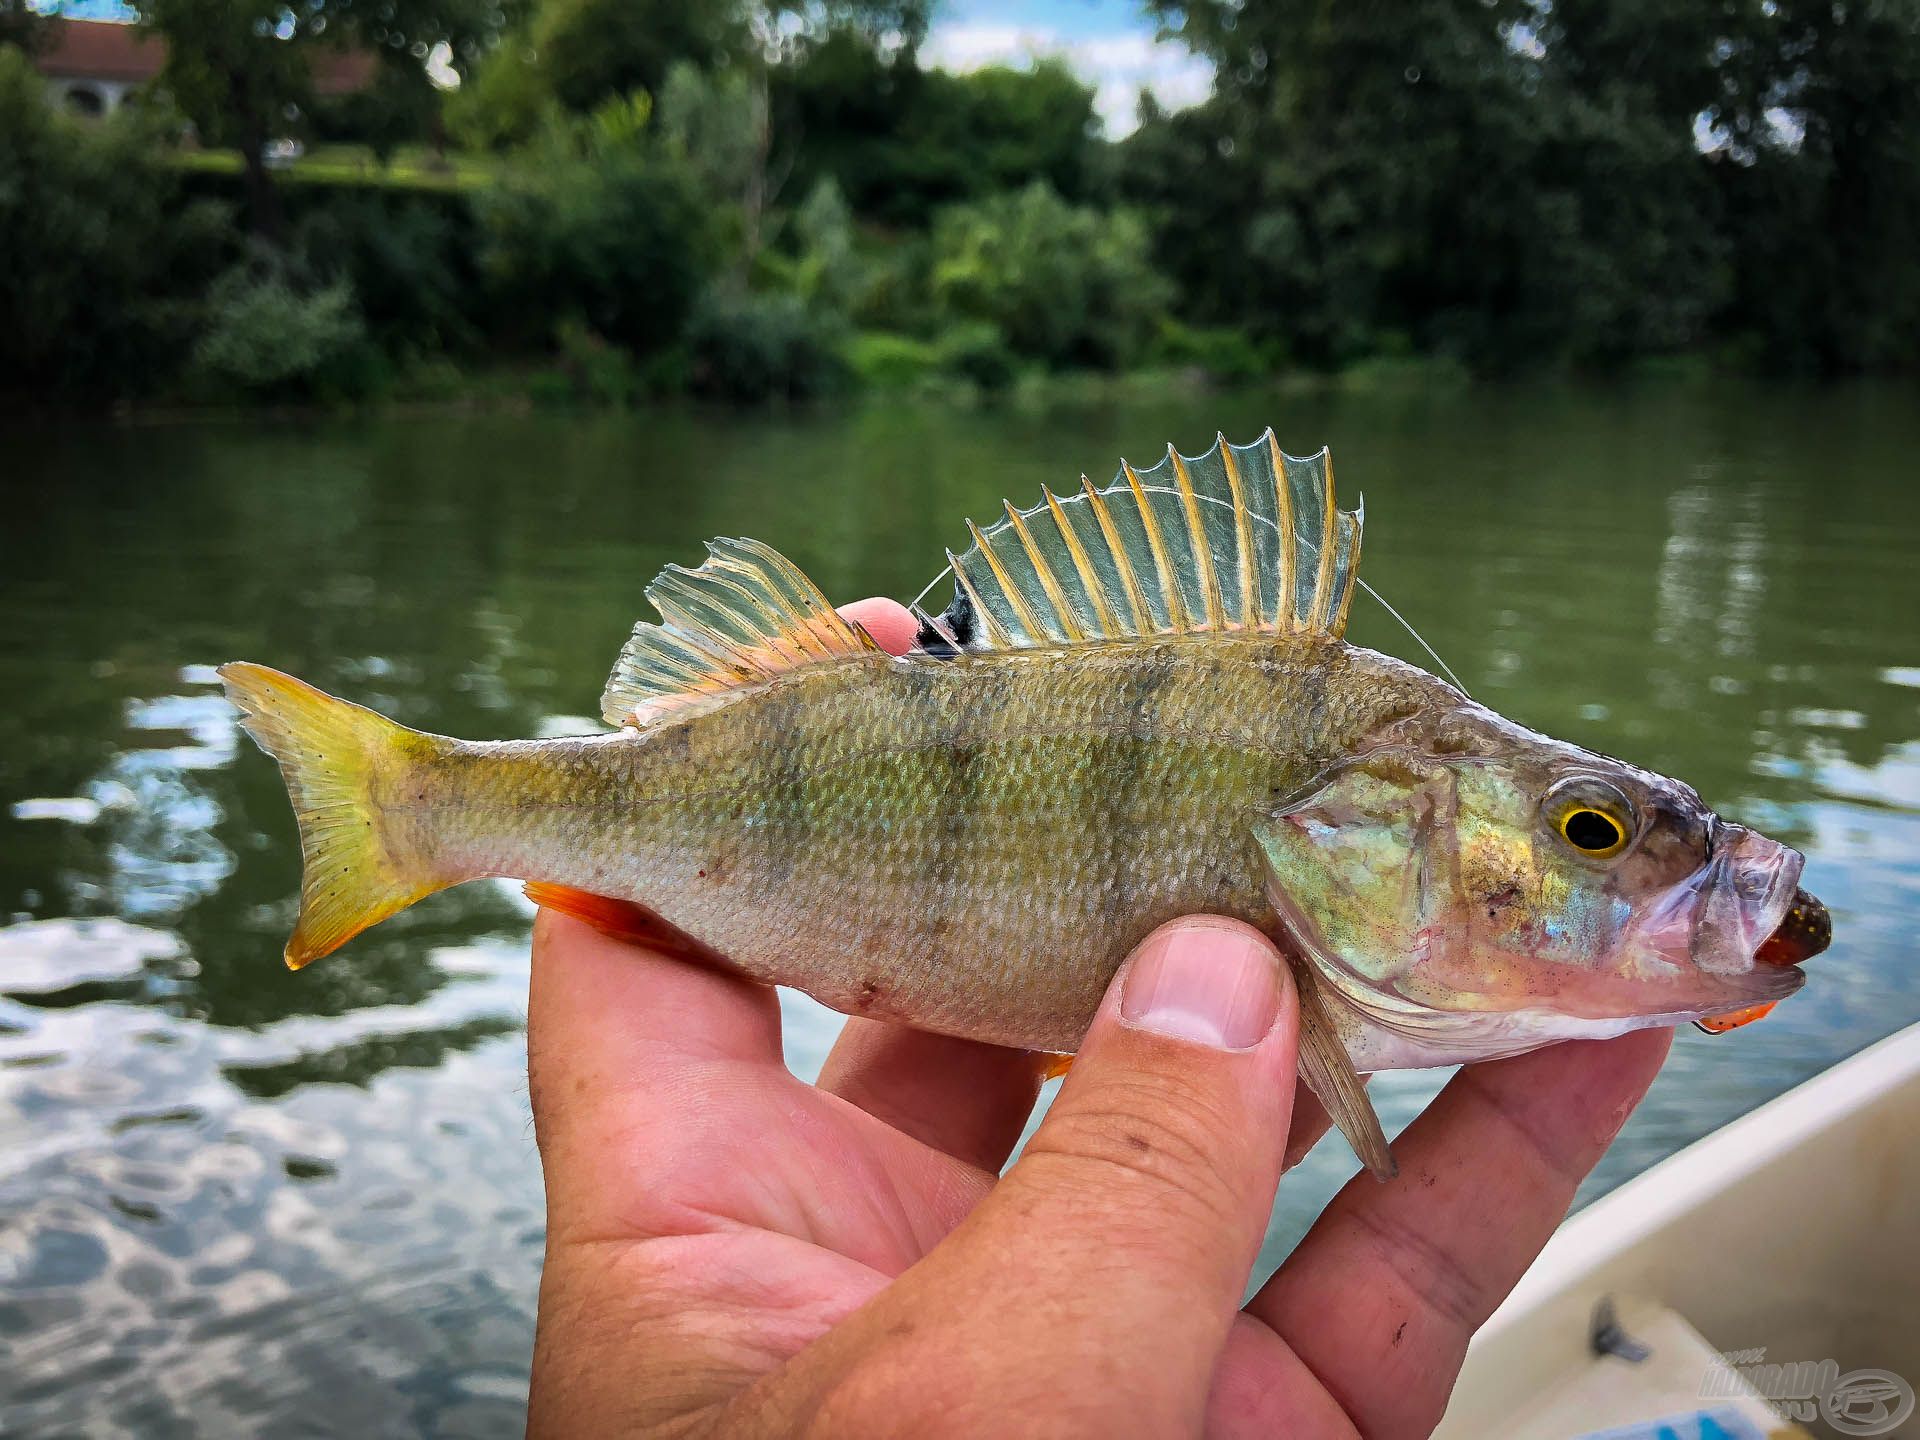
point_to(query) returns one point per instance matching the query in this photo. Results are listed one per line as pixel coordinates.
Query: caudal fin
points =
(333, 754)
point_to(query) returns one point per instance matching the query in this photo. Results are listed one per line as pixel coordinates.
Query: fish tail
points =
(359, 866)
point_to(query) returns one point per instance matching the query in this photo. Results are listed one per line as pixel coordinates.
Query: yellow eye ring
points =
(1593, 832)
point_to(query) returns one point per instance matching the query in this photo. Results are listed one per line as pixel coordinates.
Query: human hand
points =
(733, 1251)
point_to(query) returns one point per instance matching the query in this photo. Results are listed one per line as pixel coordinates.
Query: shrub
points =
(406, 257)
(978, 353)
(754, 348)
(1067, 284)
(602, 372)
(615, 240)
(1224, 354)
(888, 361)
(266, 336)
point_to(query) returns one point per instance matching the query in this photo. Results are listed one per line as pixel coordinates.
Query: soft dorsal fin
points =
(1244, 537)
(747, 614)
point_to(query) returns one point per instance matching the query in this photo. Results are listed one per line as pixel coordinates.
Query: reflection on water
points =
(234, 1199)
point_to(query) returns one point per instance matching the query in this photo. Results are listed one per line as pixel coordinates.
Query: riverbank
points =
(441, 386)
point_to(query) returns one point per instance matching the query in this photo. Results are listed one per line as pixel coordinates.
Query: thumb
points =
(1148, 1187)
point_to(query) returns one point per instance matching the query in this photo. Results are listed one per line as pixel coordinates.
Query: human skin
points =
(733, 1251)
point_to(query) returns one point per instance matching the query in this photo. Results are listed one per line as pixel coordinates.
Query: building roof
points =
(100, 50)
(115, 50)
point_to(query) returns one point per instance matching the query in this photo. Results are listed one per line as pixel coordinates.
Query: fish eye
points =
(1590, 816)
(1592, 832)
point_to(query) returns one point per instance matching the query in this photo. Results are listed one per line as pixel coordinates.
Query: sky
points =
(1110, 43)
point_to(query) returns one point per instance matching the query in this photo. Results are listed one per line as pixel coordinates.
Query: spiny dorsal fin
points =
(1245, 537)
(746, 614)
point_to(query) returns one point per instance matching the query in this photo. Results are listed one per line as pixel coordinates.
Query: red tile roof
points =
(112, 50)
(101, 50)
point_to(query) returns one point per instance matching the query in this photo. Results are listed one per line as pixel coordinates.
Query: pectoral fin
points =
(1330, 1075)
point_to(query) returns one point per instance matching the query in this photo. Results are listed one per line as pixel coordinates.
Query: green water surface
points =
(239, 1200)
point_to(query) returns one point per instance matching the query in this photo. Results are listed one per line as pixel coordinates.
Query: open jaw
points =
(1803, 932)
(1742, 925)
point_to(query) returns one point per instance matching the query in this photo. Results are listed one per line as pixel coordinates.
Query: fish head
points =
(1485, 903)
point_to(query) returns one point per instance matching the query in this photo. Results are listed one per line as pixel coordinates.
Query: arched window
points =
(84, 100)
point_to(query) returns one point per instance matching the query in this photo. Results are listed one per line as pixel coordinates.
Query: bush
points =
(1224, 354)
(408, 259)
(888, 361)
(754, 348)
(978, 353)
(615, 240)
(602, 372)
(1066, 284)
(266, 336)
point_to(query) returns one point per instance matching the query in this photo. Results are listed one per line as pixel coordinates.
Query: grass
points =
(411, 168)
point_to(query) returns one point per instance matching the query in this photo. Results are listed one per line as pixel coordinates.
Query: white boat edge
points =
(1794, 1229)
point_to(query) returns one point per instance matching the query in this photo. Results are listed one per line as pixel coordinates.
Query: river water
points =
(238, 1200)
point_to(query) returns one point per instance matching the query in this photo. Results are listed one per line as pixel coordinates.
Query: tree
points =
(900, 142)
(242, 70)
(23, 26)
(597, 229)
(100, 253)
(1826, 196)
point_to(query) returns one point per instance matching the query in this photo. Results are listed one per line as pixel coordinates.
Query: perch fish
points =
(1138, 705)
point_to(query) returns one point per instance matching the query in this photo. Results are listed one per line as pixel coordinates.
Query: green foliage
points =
(900, 142)
(267, 336)
(573, 55)
(755, 348)
(977, 352)
(100, 254)
(23, 26)
(718, 194)
(974, 353)
(406, 257)
(603, 373)
(1065, 284)
(610, 236)
(1219, 352)
(242, 70)
(828, 273)
(1521, 185)
(708, 126)
(888, 361)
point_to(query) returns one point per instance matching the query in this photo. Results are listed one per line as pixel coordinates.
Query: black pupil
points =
(1590, 830)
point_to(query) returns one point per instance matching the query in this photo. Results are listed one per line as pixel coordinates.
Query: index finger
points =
(1418, 1264)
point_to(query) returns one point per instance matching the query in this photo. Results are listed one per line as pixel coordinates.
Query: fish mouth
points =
(1739, 925)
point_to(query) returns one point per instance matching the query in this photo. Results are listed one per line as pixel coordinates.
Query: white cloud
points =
(1118, 66)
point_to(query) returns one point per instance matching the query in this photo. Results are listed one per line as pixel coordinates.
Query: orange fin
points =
(1734, 1019)
(624, 920)
(1052, 1067)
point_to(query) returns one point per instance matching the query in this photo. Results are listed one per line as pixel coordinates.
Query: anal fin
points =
(1053, 1066)
(624, 920)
